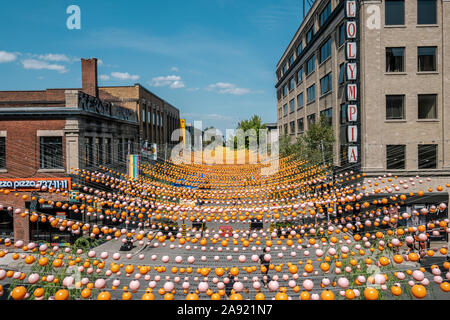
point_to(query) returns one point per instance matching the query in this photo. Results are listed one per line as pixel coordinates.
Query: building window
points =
(143, 114)
(291, 84)
(285, 91)
(292, 105)
(300, 75)
(300, 100)
(99, 151)
(300, 125)
(341, 36)
(50, 153)
(299, 49)
(2, 153)
(292, 125)
(89, 152)
(291, 60)
(284, 68)
(395, 156)
(311, 120)
(325, 14)
(426, 57)
(286, 129)
(311, 91)
(328, 115)
(325, 51)
(343, 113)
(342, 73)
(285, 110)
(395, 105)
(326, 84)
(120, 151)
(427, 155)
(108, 151)
(310, 34)
(395, 58)
(427, 106)
(426, 12)
(394, 12)
(311, 65)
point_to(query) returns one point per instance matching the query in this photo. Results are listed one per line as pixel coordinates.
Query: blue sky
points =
(213, 59)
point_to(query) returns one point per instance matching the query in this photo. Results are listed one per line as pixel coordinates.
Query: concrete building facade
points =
(403, 67)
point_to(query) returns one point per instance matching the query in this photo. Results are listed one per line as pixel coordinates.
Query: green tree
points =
(248, 124)
(318, 133)
(309, 146)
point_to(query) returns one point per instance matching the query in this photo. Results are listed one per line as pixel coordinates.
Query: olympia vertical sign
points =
(351, 76)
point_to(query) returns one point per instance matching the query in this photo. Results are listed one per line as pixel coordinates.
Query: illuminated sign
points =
(351, 76)
(352, 113)
(35, 184)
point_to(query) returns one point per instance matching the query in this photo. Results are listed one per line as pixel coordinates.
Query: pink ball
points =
(116, 256)
(343, 282)
(168, 286)
(308, 285)
(238, 286)
(220, 285)
(256, 285)
(400, 275)
(273, 285)
(33, 278)
(91, 254)
(418, 275)
(104, 255)
(203, 286)
(100, 283)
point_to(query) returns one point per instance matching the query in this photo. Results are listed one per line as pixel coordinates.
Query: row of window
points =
(310, 66)
(51, 151)
(426, 155)
(323, 17)
(426, 59)
(325, 87)
(395, 12)
(394, 15)
(427, 107)
(328, 114)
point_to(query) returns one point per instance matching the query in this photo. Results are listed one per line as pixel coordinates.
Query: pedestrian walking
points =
(264, 261)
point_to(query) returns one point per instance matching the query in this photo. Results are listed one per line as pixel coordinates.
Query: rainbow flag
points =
(133, 166)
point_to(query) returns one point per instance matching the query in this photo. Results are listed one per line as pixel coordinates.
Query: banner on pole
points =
(133, 166)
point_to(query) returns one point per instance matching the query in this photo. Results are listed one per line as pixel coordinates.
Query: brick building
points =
(45, 134)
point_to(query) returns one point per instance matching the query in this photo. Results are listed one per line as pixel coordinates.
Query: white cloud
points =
(173, 82)
(223, 88)
(100, 62)
(39, 65)
(7, 56)
(193, 89)
(174, 69)
(124, 76)
(104, 77)
(54, 57)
